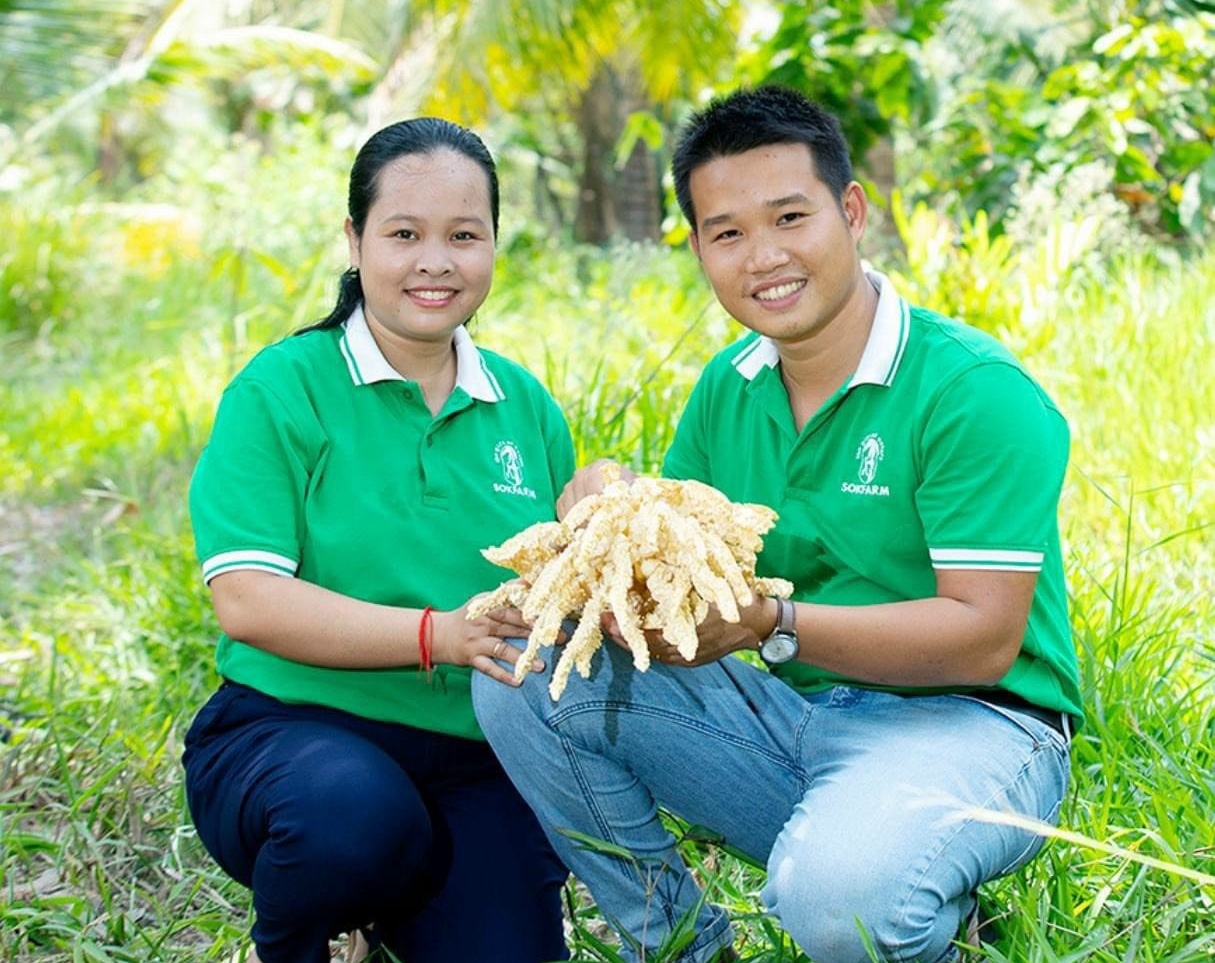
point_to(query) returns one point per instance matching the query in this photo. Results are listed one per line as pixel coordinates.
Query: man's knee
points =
(835, 912)
(504, 708)
(501, 709)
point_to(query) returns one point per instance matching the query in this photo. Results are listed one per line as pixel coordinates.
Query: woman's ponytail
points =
(350, 293)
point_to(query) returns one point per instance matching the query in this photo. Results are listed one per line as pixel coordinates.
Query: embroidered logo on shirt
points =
(869, 454)
(506, 454)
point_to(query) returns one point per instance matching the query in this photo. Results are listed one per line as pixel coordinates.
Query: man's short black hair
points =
(756, 117)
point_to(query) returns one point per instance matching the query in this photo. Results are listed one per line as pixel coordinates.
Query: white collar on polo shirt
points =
(883, 351)
(368, 365)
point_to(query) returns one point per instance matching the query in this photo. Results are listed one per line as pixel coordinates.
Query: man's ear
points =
(856, 209)
(352, 240)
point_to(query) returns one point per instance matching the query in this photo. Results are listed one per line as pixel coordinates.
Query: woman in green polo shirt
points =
(354, 472)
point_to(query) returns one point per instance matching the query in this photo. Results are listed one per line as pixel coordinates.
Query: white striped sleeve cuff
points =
(995, 560)
(248, 560)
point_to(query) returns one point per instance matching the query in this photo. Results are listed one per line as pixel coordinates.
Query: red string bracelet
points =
(426, 635)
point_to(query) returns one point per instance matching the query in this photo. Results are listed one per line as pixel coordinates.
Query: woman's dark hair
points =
(756, 117)
(422, 135)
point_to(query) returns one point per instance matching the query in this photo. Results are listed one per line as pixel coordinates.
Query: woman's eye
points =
(464, 236)
(404, 234)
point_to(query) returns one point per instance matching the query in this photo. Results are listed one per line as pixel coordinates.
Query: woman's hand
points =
(588, 481)
(479, 642)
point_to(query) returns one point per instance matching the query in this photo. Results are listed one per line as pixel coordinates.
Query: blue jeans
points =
(855, 799)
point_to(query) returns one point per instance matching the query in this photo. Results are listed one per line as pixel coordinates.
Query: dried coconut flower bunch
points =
(655, 553)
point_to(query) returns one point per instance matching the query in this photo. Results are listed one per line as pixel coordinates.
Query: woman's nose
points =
(434, 259)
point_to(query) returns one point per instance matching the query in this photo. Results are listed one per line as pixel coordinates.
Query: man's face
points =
(775, 243)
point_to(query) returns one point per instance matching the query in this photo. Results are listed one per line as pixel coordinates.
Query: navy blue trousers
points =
(337, 822)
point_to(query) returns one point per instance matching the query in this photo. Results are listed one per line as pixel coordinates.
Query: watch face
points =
(778, 647)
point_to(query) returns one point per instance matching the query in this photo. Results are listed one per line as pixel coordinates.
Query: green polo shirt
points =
(939, 453)
(326, 465)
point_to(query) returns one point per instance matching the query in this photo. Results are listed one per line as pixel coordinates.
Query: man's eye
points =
(790, 216)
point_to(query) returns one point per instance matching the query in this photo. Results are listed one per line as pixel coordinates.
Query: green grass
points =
(106, 632)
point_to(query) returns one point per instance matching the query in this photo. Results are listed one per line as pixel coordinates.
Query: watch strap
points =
(786, 617)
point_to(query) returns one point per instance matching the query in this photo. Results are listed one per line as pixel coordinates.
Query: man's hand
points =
(716, 637)
(588, 481)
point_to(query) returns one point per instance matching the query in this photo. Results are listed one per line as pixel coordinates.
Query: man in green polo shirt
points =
(924, 668)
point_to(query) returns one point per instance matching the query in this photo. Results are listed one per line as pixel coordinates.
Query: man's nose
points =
(766, 254)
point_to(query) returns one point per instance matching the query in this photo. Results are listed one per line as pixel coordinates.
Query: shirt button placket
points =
(431, 474)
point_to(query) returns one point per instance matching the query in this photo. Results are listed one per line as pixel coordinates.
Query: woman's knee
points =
(361, 809)
(350, 823)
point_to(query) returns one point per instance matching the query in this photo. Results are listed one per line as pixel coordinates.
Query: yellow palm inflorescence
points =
(655, 553)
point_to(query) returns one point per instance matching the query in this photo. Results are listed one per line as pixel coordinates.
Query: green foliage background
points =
(126, 305)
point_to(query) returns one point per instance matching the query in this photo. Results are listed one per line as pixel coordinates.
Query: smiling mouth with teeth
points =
(780, 291)
(433, 295)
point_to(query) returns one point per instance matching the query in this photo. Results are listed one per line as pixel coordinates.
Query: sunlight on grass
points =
(106, 632)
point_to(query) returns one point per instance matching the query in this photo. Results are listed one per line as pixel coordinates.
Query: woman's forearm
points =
(307, 623)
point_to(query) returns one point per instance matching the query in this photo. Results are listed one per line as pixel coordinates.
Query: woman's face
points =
(426, 255)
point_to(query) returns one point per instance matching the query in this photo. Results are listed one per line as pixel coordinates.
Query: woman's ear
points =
(352, 240)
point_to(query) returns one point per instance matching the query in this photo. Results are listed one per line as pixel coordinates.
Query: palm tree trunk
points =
(879, 161)
(638, 189)
(615, 202)
(595, 216)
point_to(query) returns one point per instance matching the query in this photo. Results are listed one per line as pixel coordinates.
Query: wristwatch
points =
(781, 646)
